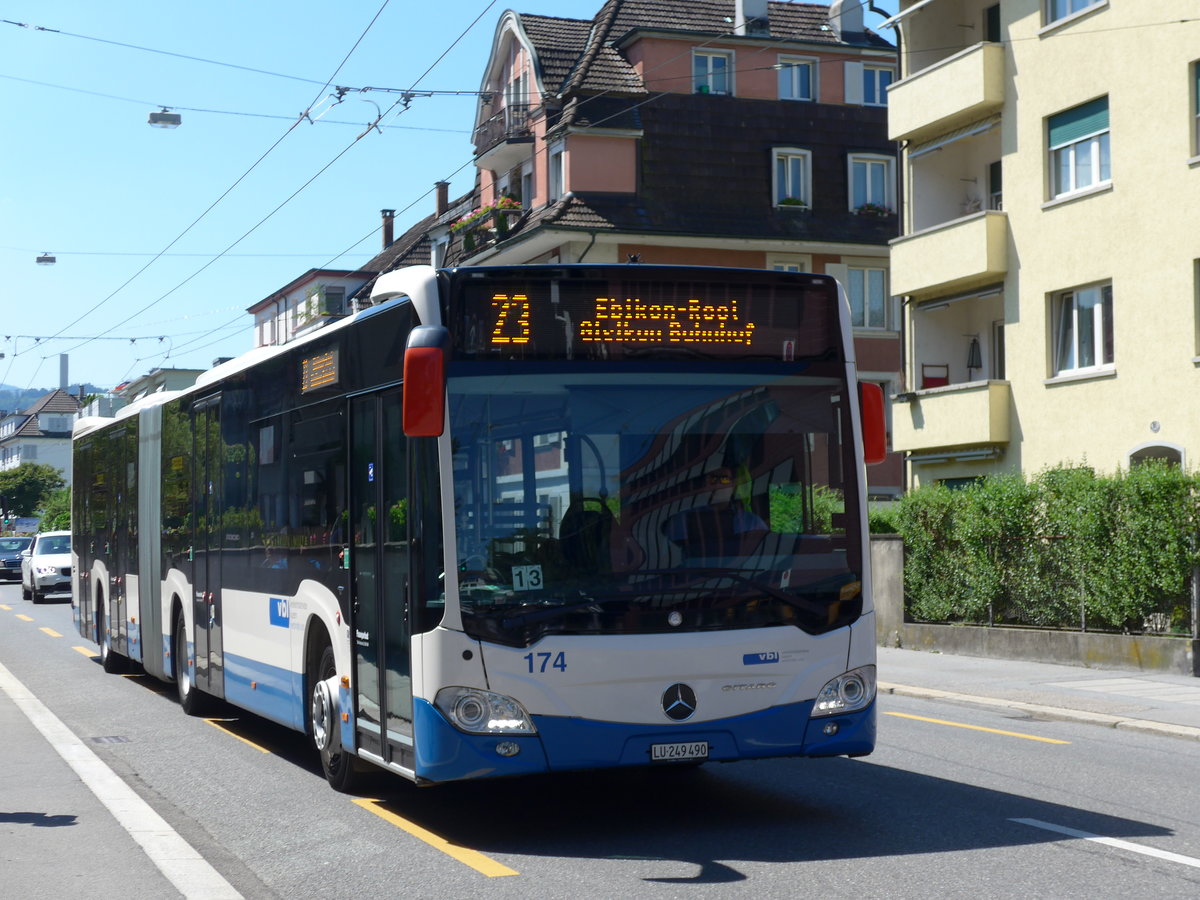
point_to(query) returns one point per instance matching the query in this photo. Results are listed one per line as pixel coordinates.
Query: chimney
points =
(846, 20)
(62, 371)
(443, 196)
(750, 17)
(389, 217)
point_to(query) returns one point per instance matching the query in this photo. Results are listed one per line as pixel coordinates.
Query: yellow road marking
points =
(50, 631)
(217, 725)
(90, 654)
(24, 618)
(1016, 734)
(5, 608)
(472, 858)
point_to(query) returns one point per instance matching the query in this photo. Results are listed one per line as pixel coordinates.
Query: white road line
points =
(174, 857)
(1113, 842)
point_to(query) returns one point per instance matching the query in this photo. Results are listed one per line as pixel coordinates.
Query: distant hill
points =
(14, 399)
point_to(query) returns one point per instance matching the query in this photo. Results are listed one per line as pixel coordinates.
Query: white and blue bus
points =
(507, 520)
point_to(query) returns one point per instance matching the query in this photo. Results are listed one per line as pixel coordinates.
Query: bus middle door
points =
(379, 565)
(206, 537)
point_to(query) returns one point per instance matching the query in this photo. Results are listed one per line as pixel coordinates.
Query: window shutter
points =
(838, 271)
(1070, 126)
(854, 82)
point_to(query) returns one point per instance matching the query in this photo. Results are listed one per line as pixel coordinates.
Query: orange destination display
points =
(566, 315)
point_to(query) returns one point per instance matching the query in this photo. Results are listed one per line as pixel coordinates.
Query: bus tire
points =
(112, 662)
(191, 698)
(342, 770)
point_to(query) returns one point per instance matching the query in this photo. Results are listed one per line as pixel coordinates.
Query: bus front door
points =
(379, 557)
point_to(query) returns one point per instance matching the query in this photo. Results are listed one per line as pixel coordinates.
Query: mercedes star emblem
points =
(679, 702)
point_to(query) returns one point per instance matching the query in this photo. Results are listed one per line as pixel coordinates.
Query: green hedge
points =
(1066, 549)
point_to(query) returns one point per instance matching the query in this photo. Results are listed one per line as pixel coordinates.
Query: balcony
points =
(958, 90)
(955, 256)
(970, 415)
(504, 139)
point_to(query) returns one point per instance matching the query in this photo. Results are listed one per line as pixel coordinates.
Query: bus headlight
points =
(848, 692)
(482, 712)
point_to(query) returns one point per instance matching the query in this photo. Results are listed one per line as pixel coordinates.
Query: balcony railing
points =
(974, 414)
(508, 124)
(958, 90)
(958, 255)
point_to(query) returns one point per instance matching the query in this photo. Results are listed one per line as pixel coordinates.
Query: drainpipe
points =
(587, 248)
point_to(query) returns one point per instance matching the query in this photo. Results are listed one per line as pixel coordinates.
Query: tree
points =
(55, 512)
(24, 488)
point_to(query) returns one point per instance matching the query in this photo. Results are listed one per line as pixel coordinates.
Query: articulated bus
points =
(507, 520)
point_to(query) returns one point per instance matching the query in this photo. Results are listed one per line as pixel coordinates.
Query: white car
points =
(46, 566)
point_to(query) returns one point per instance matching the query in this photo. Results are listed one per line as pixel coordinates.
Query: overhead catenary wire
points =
(224, 194)
(400, 102)
(406, 94)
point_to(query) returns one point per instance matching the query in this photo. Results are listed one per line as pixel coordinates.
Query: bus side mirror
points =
(425, 381)
(874, 428)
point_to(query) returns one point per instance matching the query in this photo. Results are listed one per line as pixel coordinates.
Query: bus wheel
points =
(191, 699)
(341, 769)
(112, 662)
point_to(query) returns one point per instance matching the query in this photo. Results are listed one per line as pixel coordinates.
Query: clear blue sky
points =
(88, 180)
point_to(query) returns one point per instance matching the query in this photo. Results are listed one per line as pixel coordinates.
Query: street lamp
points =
(165, 119)
(46, 259)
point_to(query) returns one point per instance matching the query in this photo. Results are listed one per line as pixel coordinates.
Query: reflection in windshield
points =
(646, 502)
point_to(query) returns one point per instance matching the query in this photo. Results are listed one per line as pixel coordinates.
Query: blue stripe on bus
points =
(563, 744)
(277, 694)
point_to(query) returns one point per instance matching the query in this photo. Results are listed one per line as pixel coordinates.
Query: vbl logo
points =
(279, 612)
(758, 659)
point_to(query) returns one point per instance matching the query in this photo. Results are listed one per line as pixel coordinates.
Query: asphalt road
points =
(957, 801)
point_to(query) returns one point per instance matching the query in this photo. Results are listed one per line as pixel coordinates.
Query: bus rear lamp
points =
(483, 712)
(849, 692)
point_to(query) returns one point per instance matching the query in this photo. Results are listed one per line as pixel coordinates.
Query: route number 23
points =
(512, 319)
(540, 662)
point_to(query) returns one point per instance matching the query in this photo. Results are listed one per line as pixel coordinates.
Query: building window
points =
(991, 24)
(867, 288)
(793, 177)
(875, 84)
(789, 262)
(797, 78)
(527, 186)
(995, 186)
(557, 173)
(1060, 9)
(1079, 148)
(712, 72)
(1083, 329)
(1196, 108)
(872, 180)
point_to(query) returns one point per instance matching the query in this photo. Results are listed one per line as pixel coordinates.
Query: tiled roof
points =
(705, 172)
(58, 401)
(558, 43)
(792, 21)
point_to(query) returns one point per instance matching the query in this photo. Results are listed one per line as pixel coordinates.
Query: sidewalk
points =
(57, 838)
(1155, 703)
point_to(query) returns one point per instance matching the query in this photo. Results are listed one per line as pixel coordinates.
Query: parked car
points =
(10, 557)
(46, 566)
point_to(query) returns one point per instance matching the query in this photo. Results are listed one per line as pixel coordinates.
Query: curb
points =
(1124, 723)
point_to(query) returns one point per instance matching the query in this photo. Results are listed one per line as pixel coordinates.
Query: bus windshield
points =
(652, 499)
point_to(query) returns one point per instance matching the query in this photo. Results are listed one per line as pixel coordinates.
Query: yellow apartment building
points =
(1049, 261)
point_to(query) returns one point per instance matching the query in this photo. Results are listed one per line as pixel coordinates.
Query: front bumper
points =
(565, 744)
